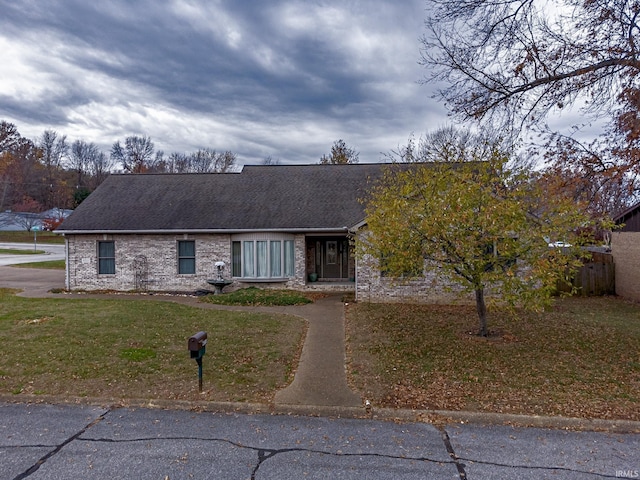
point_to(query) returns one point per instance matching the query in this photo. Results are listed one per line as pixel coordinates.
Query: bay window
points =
(262, 257)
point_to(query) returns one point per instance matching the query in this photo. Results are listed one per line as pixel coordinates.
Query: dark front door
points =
(332, 261)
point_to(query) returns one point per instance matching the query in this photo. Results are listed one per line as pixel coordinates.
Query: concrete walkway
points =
(320, 379)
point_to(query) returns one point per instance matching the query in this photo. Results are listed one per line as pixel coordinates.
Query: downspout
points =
(357, 276)
(67, 280)
(354, 231)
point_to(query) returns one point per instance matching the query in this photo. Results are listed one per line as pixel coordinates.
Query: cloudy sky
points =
(279, 78)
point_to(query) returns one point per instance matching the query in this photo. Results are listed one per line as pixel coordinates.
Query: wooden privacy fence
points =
(595, 278)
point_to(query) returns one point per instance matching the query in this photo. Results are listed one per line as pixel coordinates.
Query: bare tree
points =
(224, 162)
(27, 213)
(519, 59)
(270, 161)
(27, 220)
(90, 166)
(175, 163)
(99, 167)
(82, 155)
(53, 150)
(340, 154)
(204, 160)
(136, 156)
(513, 62)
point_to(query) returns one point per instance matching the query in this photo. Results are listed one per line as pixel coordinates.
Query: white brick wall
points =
(161, 256)
(160, 252)
(371, 286)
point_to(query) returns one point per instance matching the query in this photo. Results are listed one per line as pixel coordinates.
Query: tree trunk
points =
(481, 307)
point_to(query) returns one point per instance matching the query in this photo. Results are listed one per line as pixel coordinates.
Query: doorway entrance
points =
(329, 258)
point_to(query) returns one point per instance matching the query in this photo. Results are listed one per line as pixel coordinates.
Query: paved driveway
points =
(33, 282)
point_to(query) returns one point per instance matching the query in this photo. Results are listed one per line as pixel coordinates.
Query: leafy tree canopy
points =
(484, 224)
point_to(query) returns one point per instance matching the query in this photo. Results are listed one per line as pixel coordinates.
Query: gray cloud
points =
(280, 78)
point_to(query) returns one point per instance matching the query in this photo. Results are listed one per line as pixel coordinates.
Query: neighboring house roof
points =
(291, 198)
(630, 218)
(56, 213)
(19, 221)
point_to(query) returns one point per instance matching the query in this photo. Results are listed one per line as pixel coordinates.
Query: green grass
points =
(50, 265)
(17, 251)
(138, 349)
(580, 359)
(27, 237)
(257, 296)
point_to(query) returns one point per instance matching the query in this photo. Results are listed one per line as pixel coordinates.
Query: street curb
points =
(435, 417)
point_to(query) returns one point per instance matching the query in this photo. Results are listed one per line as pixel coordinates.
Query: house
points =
(273, 226)
(625, 249)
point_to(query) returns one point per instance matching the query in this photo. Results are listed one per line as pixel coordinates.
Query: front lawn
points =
(18, 251)
(27, 237)
(50, 265)
(581, 359)
(138, 349)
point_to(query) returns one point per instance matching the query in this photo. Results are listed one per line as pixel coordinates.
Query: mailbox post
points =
(197, 348)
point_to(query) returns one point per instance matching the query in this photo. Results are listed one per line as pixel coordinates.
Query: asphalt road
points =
(52, 252)
(80, 442)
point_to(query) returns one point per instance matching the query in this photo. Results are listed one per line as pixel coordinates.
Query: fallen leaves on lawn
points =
(580, 359)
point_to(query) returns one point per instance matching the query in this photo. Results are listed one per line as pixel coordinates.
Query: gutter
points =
(210, 230)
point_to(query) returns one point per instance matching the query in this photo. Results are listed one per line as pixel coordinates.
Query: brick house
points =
(273, 226)
(625, 249)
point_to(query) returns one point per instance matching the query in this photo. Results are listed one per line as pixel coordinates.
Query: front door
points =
(332, 261)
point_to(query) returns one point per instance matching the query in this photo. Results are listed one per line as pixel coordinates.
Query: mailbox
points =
(197, 344)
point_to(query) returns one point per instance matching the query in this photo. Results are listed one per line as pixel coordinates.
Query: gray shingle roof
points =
(291, 198)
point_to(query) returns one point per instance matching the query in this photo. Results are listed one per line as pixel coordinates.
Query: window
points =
(247, 260)
(262, 258)
(262, 264)
(276, 258)
(106, 258)
(236, 259)
(289, 269)
(186, 257)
